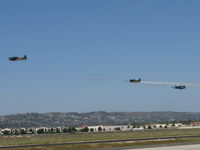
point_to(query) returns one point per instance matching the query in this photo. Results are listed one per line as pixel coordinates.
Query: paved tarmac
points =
(177, 147)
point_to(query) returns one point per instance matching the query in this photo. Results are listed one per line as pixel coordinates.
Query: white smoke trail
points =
(170, 83)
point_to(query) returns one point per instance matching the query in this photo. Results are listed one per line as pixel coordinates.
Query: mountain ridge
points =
(53, 119)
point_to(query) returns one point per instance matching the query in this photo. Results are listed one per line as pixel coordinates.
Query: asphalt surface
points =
(177, 147)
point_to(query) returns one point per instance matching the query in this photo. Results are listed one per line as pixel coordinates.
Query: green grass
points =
(57, 138)
(110, 145)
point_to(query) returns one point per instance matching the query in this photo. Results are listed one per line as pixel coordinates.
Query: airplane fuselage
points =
(135, 81)
(181, 87)
(15, 58)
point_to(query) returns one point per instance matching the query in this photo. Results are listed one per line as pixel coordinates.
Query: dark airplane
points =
(135, 81)
(15, 58)
(180, 87)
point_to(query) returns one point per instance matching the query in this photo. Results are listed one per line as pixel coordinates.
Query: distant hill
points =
(54, 119)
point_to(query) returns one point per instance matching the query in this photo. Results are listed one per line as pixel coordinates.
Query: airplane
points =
(180, 87)
(15, 58)
(135, 81)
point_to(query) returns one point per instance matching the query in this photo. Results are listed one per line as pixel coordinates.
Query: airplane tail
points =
(25, 57)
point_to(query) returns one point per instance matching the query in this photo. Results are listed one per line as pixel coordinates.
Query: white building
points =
(44, 129)
(105, 128)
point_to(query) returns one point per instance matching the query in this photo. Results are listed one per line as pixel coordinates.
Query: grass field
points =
(57, 138)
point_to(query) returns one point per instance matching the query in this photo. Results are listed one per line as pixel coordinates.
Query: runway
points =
(177, 147)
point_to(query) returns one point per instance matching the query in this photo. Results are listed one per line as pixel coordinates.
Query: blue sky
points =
(80, 54)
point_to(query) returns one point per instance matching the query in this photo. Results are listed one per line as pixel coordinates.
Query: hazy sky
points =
(80, 54)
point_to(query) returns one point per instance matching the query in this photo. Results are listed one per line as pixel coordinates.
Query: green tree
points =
(134, 126)
(74, 129)
(71, 129)
(149, 127)
(65, 130)
(117, 129)
(16, 132)
(86, 129)
(51, 130)
(40, 131)
(22, 131)
(57, 130)
(31, 131)
(99, 128)
(6, 132)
